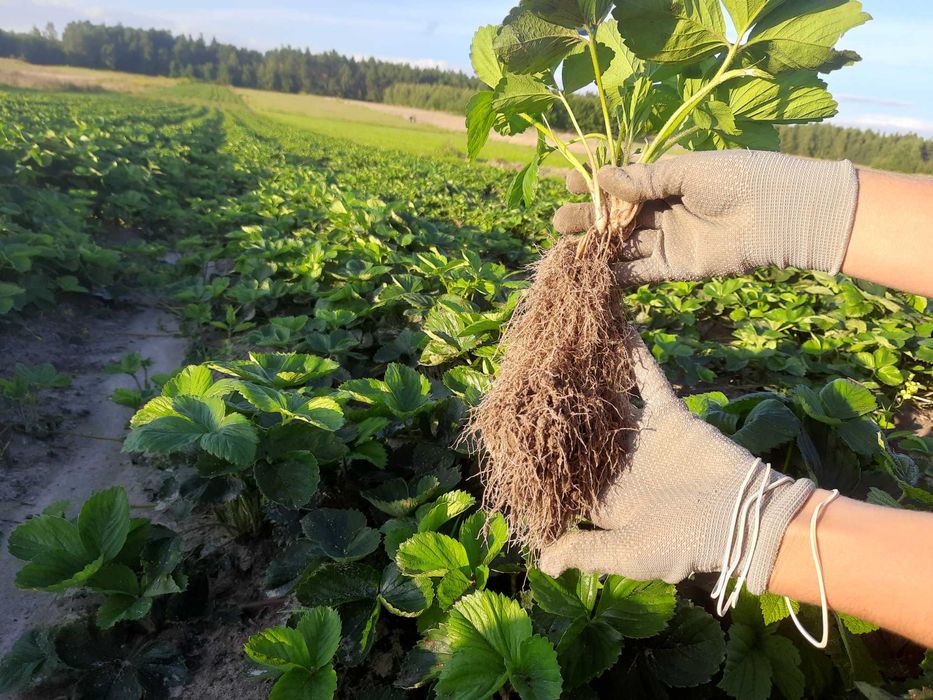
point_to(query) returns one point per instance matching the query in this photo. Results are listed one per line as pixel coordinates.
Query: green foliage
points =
(128, 560)
(301, 656)
(661, 70)
(379, 284)
(488, 642)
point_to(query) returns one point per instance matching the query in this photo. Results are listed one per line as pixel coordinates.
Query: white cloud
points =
(891, 122)
(866, 99)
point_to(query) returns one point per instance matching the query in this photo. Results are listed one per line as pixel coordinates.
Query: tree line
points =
(159, 52)
(906, 153)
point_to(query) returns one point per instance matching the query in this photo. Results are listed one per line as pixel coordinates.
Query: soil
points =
(55, 458)
(48, 460)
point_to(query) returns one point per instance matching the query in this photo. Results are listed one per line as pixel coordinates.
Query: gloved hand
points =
(670, 512)
(726, 213)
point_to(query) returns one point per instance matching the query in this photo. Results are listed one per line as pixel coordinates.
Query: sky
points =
(890, 90)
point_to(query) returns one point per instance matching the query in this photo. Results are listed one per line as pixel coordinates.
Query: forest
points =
(287, 69)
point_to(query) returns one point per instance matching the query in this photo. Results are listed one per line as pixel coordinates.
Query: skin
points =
(877, 561)
(892, 240)
(877, 564)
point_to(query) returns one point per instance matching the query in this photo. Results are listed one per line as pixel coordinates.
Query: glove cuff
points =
(780, 507)
(806, 213)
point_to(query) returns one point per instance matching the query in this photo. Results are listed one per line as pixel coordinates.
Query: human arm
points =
(892, 236)
(670, 511)
(730, 212)
(877, 564)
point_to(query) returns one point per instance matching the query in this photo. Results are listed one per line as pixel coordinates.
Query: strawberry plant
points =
(325, 438)
(129, 561)
(665, 75)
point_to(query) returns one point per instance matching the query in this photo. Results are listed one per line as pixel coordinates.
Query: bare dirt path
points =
(79, 339)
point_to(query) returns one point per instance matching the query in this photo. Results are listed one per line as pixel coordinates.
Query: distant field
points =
(371, 126)
(20, 74)
(434, 134)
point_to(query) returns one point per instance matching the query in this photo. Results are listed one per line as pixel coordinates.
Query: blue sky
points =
(891, 89)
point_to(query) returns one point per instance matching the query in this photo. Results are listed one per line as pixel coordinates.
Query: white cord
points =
(739, 517)
(814, 548)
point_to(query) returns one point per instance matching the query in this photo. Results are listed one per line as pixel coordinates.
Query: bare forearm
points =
(892, 237)
(877, 564)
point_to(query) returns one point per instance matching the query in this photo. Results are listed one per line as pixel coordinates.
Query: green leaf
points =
(856, 625)
(483, 56)
(801, 34)
(291, 481)
(447, 506)
(279, 648)
(747, 675)
(115, 578)
(404, 595)
(890, 375)
(690, 652)
(336, 584)
(526, 43)
(521, 93)
(453, 586)
(47, 535)
(638, 609)
(197, 380)
(576, 71)
(320, 628)
(671, 32)
(621, 66)
(279, 370)
(483, 537)
(397, 497)
(846, 399)
(587, 649)
(104, 522)
(768, 425)
(340, 535)
(774, 607)
(299, 684)
(534, 671)
(491, 642)
(745, 13)
(863, 436)
(117, 608)
(197, 421)
(572, 14)
(524, 186)
(430, 554)
(785, 666)
(480, 117)
(557, 596)
(792, 97)
(320, 411)
(26, 659)
(467, 383)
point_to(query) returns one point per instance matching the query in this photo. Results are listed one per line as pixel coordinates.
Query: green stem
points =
(657, 147)
(591, 42)
(594, 164)
(561, 146)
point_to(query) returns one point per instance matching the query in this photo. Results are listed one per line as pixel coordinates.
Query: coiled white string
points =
(814, 548)
(733, 557)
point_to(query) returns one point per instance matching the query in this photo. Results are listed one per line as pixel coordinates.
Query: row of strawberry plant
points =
(347, 321)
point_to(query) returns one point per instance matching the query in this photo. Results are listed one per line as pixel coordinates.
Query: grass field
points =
(348, 119)
(323, 115)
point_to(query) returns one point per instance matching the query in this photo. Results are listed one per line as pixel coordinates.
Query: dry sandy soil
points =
(36, 470)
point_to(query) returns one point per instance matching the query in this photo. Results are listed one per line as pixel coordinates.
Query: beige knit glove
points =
(726, 213)
(670, 512)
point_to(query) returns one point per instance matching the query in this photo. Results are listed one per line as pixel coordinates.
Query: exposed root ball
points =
(552, 427)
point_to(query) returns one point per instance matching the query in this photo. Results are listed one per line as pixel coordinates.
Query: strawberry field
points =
(342, 307)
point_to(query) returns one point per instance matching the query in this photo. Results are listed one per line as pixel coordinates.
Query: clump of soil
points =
(552, 429)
